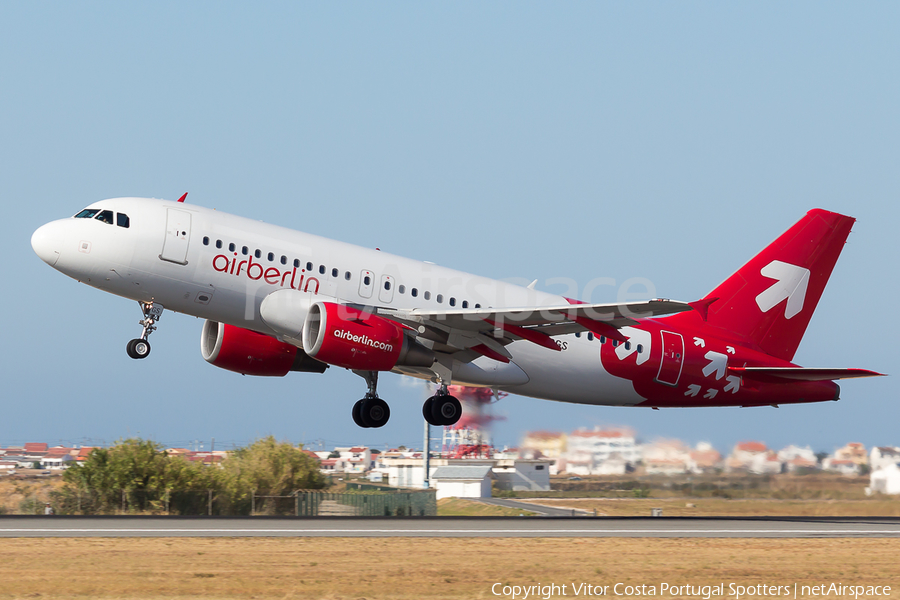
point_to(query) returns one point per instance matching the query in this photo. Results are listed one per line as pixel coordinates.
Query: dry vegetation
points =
(20, 496)
(880, 506)
(460, 507)
(339, 568)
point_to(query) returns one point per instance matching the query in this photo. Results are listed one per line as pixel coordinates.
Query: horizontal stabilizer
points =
(776, 374)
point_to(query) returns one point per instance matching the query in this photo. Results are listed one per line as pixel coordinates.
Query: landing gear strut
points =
(371, 411)
(140, 347)
(442, 408)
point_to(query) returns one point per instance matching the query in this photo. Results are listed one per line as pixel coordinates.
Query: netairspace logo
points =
(704, 592)
(362, 339)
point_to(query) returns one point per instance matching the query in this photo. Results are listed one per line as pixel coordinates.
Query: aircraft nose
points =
(45, 241)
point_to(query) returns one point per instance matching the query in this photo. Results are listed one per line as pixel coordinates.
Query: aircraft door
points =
(178, 234)
(366, 283)
(672, 358)
(386, 291)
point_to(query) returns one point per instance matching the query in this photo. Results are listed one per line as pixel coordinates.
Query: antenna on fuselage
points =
(183, 197)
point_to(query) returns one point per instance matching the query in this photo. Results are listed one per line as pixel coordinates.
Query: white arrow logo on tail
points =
(791, 285)
(718, 362)
(734, 384)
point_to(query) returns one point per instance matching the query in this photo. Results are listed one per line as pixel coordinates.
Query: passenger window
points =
(219, 244)
(452, 301)
(245, 250)
(296, 263)
(347, 275)
(322, 269)
(87, 213)
(465, 304)
(578, 334)
(367, 280)
(205, 240)
(414, 292)
(122, 220)
(271, 256)
(628, 345)
(477, 306)
(106, 216)
(231, 247)
(602, 339)
(309, 267)
(283, 259)
(640, 348)
(334, 272)
(440, 298)
(257, 253)
(427, 295)
(387, 285)
(615, 343)
(401, 289)
(590, 336)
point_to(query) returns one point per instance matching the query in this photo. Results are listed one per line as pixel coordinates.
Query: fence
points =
(420, 503)
(364, 501)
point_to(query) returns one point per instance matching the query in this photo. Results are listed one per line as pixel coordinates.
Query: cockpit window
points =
(122, 220)
(106, 216)
(87, 213)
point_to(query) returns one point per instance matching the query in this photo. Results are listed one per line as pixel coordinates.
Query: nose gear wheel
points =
(140, 347)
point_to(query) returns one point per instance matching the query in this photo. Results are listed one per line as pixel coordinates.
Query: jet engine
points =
(351, 338)
(251, 353)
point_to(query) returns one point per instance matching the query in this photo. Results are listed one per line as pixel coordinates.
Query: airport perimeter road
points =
(659, 527)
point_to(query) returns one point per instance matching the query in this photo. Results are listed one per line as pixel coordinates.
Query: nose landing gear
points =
(371, 411)
(140, 347)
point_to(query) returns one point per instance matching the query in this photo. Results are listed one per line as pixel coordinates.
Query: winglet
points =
(702, 306)
(183, 197)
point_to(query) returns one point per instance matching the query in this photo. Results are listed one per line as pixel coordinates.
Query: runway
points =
(649, 527)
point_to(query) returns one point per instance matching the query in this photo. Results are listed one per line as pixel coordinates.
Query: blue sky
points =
(531, 140)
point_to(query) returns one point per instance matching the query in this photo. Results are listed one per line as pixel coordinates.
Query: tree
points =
(134, 474)
(268, 468)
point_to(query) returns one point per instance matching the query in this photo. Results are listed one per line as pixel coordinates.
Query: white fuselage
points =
(218, 266)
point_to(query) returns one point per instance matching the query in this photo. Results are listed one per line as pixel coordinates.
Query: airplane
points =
(278, 300)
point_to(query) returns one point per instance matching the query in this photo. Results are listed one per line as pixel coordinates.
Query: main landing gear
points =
(371, 411)
(442, 408)
(140, 347)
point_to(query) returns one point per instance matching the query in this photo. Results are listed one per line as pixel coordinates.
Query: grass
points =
(405, 569)
(880, 506)
(460, 507)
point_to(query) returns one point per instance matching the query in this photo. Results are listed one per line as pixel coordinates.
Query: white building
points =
(795, 458)
(462, 481)
(522, 475)
(885, 480)
(667, 457)
(882, 456)
(587, 450)
(357, 459)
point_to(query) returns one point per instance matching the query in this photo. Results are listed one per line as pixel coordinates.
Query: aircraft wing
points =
(775, 374)
(486, 330)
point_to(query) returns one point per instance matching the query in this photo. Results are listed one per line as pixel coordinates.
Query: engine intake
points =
(351, 338)
(251, 353)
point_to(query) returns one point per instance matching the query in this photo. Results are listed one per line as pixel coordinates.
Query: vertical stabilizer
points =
(769, 301)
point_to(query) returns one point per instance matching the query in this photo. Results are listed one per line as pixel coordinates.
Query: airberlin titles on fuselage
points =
(271, 275)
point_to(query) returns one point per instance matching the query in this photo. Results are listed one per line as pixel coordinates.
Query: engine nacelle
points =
(348, 337)
(251, 353)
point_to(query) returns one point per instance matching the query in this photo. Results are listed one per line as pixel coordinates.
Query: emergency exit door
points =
(672, 358)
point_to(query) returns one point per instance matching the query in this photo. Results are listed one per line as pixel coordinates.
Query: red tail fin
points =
(769, 301)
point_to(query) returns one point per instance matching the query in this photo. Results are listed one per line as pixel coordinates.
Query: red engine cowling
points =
(251, 353)
(347, 337)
